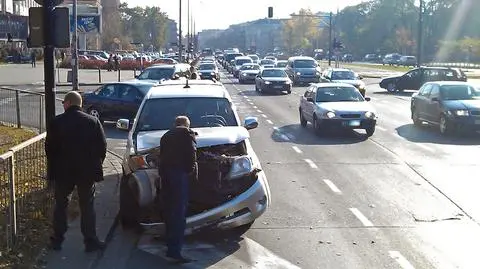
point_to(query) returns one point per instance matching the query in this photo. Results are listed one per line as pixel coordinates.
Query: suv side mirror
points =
(310, 99)
(368, 99)
(250, 123)
(123, 124)
(137, 76)
(435, 99)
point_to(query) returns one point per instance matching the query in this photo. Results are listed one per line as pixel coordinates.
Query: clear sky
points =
(219, 14)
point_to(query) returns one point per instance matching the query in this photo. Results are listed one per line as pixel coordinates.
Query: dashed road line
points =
(255, 107)
(270, 122)
(332, 186)
(245, 96)
(297, 150)
(397, 256)
(311, 163)
(259, 111)
(265, 116)
(361, 217)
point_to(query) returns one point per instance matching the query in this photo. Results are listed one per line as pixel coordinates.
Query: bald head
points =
(182, 121)
(72, 98)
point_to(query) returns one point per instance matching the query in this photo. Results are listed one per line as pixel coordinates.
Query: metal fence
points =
(25, 200)
(21, 108)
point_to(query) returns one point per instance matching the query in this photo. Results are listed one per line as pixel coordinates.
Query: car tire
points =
(416, 118)
(444, 126)
(391, 87)
(370, 131)
(129, 208)
(95, 113)
(316, 126)
(303, 121)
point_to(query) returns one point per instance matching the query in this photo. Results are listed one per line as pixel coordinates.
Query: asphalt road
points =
(404, 198)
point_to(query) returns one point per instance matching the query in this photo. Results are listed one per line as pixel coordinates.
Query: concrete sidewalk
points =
(72, 255)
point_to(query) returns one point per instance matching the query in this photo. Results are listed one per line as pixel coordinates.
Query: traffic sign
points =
(55, 2)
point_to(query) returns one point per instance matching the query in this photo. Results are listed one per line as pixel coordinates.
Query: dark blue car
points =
(115, 101)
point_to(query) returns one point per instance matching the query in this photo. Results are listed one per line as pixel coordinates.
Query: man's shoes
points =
(94, 246)
(179, 259)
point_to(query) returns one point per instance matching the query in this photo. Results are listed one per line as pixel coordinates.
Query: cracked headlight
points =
(330, 115)
(370, 115)
(241, 166)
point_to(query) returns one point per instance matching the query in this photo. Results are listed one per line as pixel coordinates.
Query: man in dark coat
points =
(76, 147)
(178, 162)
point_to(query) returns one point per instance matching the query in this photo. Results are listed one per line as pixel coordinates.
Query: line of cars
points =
(232, 190)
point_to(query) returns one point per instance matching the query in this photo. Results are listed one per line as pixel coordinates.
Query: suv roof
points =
(301, 58)
(196, 88)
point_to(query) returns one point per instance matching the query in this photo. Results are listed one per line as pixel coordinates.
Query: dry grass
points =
(10, 136)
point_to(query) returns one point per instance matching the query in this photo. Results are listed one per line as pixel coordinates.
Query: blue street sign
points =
(86, 23)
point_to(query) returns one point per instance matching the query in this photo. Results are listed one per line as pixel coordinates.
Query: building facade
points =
(14, 19)
(172, 34)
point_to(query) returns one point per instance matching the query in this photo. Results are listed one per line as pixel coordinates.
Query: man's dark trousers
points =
(175, 188)
(86, 194)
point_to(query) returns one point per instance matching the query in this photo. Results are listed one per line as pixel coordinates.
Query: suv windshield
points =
(282, 64)
(274, 73)
(250, 67)
(206, 67)
(304, 64)
(343, 75)
(339, 94)
(267, 61)
(202, 112)
(157, 74)
(459, 92)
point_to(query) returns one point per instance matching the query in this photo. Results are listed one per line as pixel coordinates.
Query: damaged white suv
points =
(231, 190)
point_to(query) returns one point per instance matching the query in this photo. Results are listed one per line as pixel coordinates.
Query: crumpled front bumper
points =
(241, 210)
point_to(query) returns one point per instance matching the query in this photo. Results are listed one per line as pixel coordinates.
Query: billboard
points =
(15, 25)
(86, 24)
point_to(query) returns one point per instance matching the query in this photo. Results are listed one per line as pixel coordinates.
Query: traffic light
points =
(190, 47)
(270, 12)
(9, 37)
(337, 44)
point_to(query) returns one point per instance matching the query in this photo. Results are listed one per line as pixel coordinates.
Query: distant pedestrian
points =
(116, 60)
(33, 57)
(178, 162)
(76, 147)
(110, 63)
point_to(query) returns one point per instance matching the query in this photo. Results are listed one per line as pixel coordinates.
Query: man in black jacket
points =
(178, 162)
(76, 147)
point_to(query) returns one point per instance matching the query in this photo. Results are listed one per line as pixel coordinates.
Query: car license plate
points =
(354, 123)
(477, 121)
(278, 87)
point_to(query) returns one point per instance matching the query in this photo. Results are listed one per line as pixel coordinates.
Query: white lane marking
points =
(270, 122)
(265, 116)
(332, 186)
(250, 103)
(397, 256)
(264, 258)
(380, 128)
(276, 128)
(311, 163)
(259, 111)
(255, 107)
(297, 150)
(361, 217)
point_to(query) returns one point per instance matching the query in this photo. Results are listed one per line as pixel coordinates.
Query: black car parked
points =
(115, 101)
(453, 106)
(273, 80)
(415, 78)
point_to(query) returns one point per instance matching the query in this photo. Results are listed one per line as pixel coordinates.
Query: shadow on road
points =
(294, 133)
(430, 134)
(404, 93)
(207, 248)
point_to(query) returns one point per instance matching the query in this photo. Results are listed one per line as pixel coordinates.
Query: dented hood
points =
(208, 136)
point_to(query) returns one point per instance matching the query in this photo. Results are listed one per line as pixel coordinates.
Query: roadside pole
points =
(49, 61)
(74, 48)
(180, 47)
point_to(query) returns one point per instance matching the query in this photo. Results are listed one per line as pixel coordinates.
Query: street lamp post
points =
(188, 30)
(180, 47)
(74, 47)
(420, 35)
